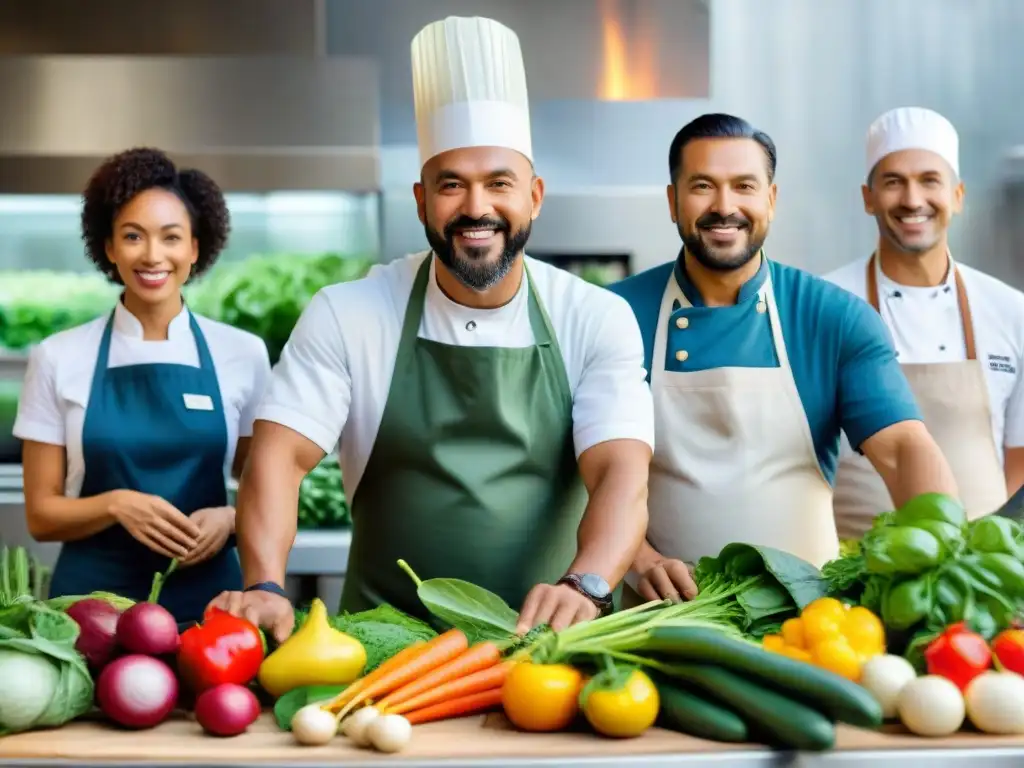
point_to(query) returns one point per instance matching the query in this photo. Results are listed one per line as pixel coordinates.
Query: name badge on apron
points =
(198, 402)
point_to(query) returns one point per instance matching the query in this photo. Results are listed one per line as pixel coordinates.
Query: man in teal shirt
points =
(755, 367)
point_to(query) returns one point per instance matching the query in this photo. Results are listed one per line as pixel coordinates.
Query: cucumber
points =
(842, 700)
(778, 720)
(684, 711)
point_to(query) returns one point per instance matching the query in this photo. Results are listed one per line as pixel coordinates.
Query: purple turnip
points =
(137, 691)
(97, 621)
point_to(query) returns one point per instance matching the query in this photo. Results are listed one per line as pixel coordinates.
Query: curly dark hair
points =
(129, 173)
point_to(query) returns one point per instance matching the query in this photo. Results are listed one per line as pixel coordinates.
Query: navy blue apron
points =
(139, 434)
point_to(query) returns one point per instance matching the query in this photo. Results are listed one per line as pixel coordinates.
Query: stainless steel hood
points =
(254, 123)
(239, 88)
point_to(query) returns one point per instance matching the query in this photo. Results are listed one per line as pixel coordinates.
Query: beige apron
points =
(953, 398)
(734, 460)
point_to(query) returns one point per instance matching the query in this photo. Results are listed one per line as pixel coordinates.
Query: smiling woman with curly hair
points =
(132, 422)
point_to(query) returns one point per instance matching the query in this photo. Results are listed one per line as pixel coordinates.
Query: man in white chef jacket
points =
(479, 396)
(958, 332)
(755, 366)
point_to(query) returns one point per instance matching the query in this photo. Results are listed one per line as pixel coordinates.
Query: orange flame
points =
(630, 69)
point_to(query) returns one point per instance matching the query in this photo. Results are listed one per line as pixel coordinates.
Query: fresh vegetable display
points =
(924, 567)
(770, 652)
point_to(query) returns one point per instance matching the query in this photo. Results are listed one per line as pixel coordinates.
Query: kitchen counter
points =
(489, 742)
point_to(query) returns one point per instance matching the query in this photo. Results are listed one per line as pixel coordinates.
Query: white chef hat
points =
(469, 87)
(913, 128)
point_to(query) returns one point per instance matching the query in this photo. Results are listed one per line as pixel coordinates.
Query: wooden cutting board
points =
(488, 736)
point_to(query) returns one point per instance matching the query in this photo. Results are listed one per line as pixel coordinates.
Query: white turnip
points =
(149, 629)
(227, 709)
(137, 691)
(97, 621)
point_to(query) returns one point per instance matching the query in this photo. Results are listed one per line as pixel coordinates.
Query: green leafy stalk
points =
(159, 580)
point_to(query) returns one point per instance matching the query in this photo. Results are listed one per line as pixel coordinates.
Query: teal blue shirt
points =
(840, 351)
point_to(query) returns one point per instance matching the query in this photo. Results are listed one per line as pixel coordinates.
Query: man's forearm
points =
(920, 468)
(613, 526)
(266, 519)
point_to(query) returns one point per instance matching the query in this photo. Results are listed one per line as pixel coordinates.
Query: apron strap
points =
(966, 321)
(539, 321)
(102, 359)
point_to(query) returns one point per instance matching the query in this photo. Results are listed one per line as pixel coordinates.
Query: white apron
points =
(953, 398)
(734, 460)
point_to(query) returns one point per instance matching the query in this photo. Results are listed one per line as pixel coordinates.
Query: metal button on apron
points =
(761, 307)
(682, 322)
(681, 355)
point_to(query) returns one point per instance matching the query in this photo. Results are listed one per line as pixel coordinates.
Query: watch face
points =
(595, 585)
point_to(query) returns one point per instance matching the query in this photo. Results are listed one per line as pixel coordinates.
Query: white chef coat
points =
(57, 385)
(333, 378)
(926, 328)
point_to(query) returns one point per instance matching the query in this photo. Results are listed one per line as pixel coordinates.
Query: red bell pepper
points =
(1008, 649)
(959, 655)
(223, 649)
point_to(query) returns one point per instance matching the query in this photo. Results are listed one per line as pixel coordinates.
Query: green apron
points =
(472, 475)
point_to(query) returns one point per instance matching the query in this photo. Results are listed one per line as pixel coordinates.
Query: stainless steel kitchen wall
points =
(813, 73)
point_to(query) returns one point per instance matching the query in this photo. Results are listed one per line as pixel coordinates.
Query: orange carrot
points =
(480, 656)
(482, 680)
(400, 658)
(436, 652)
(460, 707)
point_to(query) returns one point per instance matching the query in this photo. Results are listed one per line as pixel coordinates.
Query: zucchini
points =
(776, 719)
(842, 700)
(684, 711)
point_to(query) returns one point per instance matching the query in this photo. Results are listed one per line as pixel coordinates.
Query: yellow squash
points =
(317, 654)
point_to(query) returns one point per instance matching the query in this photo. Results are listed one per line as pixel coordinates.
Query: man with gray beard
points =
(958, 332)
(755, 367)
(491, 411)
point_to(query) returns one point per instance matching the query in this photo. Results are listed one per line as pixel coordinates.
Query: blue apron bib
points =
(139, 435)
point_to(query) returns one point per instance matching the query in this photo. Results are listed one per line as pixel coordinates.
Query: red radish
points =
(149, 629)
(97, 622)
(227, 709)
(137, 691)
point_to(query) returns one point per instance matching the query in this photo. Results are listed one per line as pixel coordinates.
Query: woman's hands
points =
(216, 524)
(155, 523)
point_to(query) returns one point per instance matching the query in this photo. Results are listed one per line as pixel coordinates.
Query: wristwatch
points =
(268, 586)
(591, 586)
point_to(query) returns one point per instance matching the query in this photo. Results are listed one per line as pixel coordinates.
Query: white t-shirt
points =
(58, 381)
(333, 378)
(925, 327)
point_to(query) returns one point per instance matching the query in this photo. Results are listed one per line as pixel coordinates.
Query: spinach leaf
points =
(297, 698)
(481, 614)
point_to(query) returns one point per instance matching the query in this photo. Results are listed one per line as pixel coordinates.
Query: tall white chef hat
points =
(469, 87)
(913, 128)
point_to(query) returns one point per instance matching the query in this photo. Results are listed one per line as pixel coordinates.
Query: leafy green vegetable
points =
(39, 641)
(902, 549)
(266, 294)
(37, 303)
(481, 614)
(995, 534)
(383, 631)
(777, 584)
(297, 698)
(322, 503)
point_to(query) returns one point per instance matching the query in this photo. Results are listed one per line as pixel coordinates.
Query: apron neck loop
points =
(966, 320)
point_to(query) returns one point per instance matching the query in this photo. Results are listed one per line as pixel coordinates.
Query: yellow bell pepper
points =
(317, 654)
(831, 635)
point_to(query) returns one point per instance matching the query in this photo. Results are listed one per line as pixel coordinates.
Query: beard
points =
(721, 259)
(474, 267)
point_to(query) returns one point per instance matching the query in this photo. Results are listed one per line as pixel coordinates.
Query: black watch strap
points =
(268, 586)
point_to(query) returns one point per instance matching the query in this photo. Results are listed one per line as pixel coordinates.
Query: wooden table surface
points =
(489, 737)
